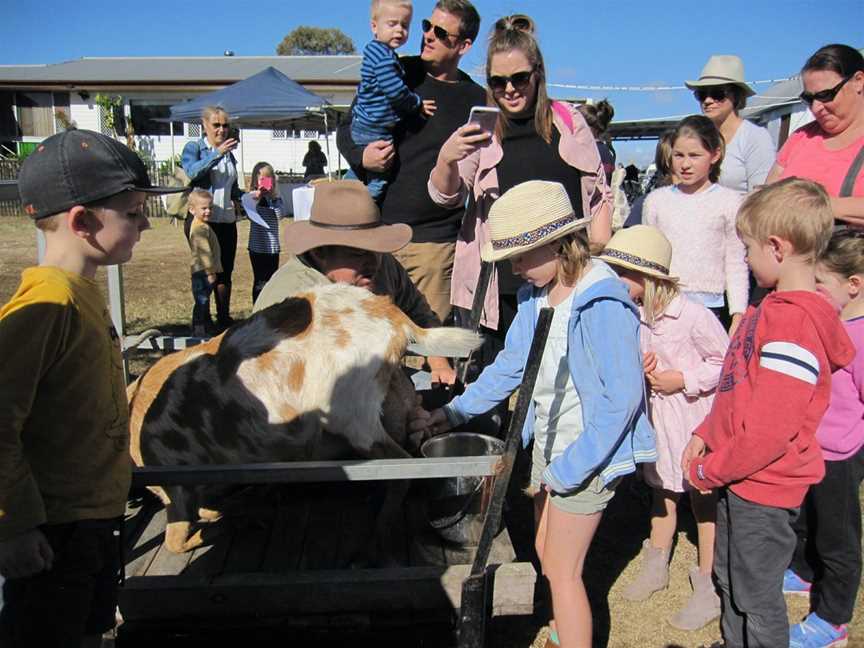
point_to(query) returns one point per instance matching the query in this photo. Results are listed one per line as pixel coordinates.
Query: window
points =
(279, 134)
(104, 122)
(62, 115)
(8, 123)
(145, 116)
(192, 130)
(35, 113)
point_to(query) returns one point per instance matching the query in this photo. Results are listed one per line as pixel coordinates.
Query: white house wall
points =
(286, 154)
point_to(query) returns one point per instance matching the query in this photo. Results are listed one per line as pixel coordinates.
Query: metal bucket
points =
(456, 506)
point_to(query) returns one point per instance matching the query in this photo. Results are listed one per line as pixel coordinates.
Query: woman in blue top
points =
(587, 415)
(210, 164)
(264, 241)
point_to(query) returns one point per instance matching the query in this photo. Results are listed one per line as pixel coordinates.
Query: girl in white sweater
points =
(698, 217)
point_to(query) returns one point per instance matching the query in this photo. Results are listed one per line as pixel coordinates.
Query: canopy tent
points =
(264, 99)
(268, 99)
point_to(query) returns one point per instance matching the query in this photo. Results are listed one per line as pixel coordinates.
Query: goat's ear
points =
(290, 317)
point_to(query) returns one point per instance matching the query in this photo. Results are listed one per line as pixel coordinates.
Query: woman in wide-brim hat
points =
(344, 241)
(684, 345)
(722, 94)
(587, 418)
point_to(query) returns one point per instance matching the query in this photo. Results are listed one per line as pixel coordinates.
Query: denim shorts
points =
(77, 597)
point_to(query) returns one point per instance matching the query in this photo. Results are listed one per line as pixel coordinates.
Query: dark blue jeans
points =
(201, 289)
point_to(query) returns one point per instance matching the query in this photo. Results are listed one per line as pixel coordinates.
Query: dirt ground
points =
(158, 295)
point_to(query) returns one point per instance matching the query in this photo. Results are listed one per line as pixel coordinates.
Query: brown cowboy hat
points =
(343, 213)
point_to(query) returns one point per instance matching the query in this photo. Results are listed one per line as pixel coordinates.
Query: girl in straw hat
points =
(587, 417)
(684, 346)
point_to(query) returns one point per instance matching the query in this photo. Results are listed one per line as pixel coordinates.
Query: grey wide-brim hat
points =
(722, 69)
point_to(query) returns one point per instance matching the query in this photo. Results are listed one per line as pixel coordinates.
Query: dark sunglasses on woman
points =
(440, 33)
(824, 96)
(518, 22)
(716, 93)
(520, 80)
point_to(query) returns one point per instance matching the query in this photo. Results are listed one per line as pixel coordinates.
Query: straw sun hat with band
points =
(343, 213)
(528, 216)
(641, 248)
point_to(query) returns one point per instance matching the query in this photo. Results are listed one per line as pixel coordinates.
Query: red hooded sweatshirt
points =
(774, 389)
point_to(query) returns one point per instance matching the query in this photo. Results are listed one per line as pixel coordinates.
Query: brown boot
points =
(653, 574)
(702, 607)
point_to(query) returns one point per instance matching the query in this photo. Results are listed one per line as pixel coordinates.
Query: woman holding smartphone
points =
(534, 138)
(210, 164)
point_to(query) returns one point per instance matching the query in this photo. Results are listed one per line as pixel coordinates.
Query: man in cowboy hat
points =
(344, 241)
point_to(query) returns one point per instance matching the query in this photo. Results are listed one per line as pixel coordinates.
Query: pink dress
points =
(687, 338)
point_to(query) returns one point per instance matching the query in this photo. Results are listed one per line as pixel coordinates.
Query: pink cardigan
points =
(477, 172)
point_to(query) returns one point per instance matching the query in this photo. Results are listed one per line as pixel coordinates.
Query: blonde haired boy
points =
(758, 445)
(64, 437)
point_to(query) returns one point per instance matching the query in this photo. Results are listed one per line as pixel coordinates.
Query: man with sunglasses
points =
(448, 35)
(722, 93)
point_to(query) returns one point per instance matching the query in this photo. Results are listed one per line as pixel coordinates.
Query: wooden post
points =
(473, 612)
(117, 307)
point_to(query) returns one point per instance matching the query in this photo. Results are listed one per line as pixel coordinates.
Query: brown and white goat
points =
(305, 379)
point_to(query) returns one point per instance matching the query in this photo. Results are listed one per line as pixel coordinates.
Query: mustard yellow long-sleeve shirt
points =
(206, 253)
(64, 418)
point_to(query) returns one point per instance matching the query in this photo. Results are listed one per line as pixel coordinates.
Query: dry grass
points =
(158, 295)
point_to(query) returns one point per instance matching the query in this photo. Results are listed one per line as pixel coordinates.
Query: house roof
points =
(183, 70)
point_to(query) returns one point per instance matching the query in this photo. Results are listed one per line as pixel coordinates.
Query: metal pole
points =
(473, 613)
(171, 126)
(474, 318)
(327, 144)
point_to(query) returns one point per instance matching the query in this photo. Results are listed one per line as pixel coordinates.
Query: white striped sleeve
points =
(790, 359)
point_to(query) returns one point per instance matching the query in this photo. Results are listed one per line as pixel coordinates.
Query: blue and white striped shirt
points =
(383, 99)
(262, 240)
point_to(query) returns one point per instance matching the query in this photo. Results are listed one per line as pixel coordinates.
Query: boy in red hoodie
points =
(758, 444)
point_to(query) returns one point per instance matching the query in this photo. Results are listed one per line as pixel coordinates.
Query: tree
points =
(315, 40)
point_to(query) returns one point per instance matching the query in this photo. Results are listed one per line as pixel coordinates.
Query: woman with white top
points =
(722, 93)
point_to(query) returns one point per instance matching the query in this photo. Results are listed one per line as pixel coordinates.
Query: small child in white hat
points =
(587, 419)
(684, 345)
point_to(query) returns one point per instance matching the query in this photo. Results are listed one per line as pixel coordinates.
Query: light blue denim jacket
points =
(606, 369)
(197, 158)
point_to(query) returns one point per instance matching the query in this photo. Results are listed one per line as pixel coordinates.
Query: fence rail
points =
(154, 208)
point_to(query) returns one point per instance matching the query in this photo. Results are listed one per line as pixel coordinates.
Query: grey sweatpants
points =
(753, 547)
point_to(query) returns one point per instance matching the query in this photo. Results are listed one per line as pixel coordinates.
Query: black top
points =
(418, 141)
(527, 156)
(314, 163)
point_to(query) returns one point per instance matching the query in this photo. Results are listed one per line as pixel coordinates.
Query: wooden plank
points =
(208, 561)
(251, 535)
(168, 563)
(147, 545)
(357, 532)
(323, 530)
(315, 471)
(258, 595)
(287, 535)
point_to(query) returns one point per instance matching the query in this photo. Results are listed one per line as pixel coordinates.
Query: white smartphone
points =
(486, 116)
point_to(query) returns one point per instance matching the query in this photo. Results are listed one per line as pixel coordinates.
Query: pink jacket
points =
(577, 148)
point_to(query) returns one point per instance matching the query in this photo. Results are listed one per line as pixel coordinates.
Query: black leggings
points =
(263, 267)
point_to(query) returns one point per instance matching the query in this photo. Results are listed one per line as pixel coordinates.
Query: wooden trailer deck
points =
(301, 558)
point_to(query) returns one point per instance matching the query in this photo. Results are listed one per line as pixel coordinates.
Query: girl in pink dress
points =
(684, 345)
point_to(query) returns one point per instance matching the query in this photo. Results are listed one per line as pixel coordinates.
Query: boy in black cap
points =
(64, 438)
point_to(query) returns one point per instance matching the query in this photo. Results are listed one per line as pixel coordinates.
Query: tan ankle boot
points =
(653, 574)
(702, 607)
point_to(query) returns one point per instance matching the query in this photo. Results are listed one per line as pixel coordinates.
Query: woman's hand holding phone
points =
(463, 142)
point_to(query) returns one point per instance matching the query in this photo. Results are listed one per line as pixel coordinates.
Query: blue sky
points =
(610, 43)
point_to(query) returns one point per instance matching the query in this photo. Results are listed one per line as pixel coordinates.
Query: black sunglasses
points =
(440, 33)
(717, 93)
(218, 125)
(824, 96)
(520, 80)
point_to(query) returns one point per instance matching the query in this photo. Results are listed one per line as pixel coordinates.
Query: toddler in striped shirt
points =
(383, 99)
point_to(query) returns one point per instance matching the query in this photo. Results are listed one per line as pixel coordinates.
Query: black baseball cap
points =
(78, 167)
